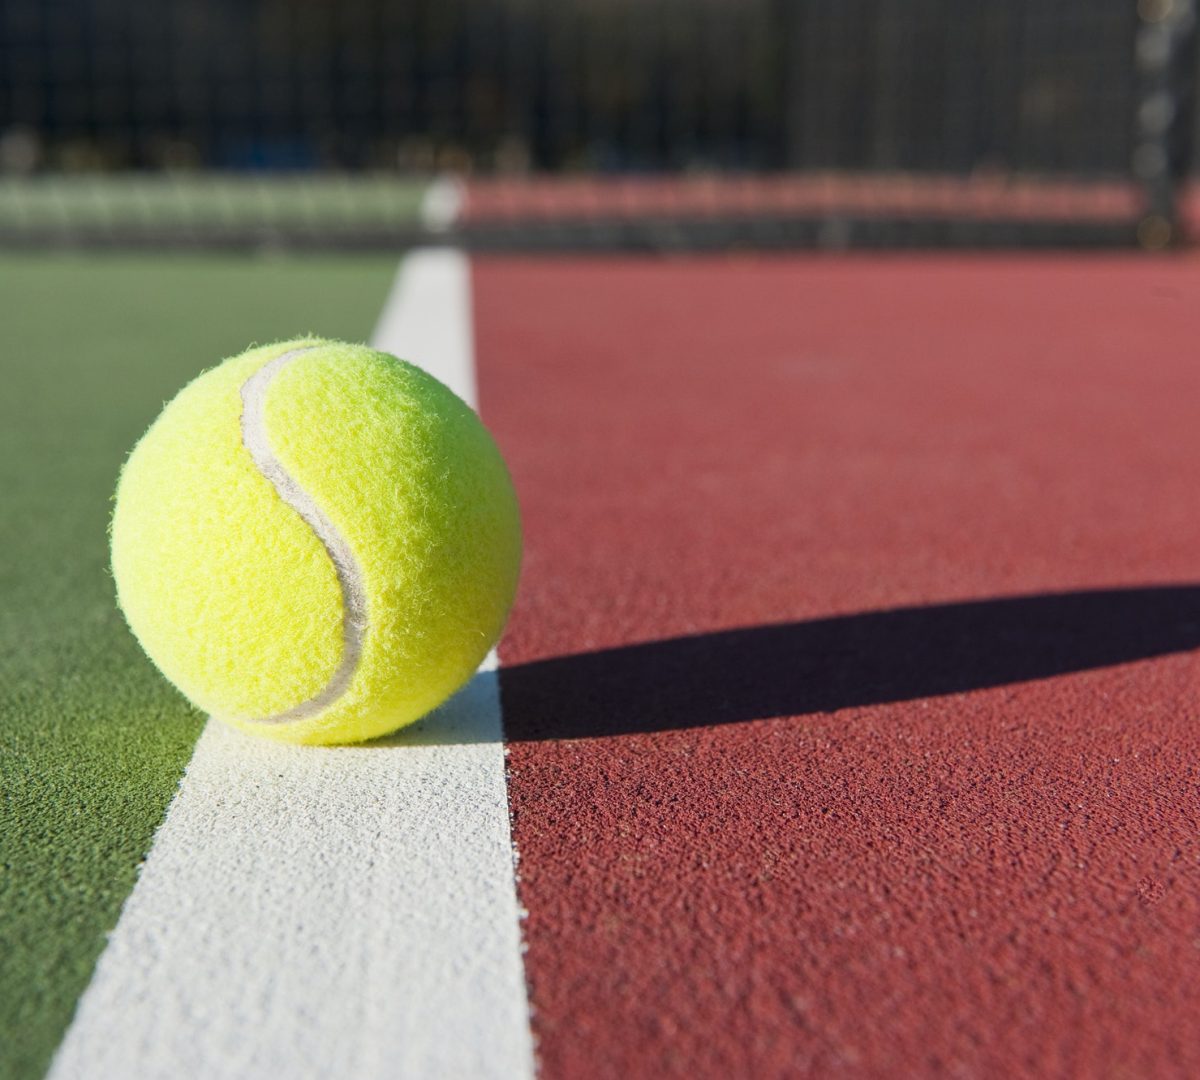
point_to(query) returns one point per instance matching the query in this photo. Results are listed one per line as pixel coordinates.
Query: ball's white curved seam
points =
(354, 598)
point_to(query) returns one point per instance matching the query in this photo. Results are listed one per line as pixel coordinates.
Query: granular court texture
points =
(851, 692)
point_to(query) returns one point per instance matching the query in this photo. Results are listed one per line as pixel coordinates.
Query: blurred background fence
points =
(597, 121)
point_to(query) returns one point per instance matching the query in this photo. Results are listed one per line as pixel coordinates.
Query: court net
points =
(625, 124)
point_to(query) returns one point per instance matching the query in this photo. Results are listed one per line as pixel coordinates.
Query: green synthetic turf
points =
(202, 201)
(92, 740)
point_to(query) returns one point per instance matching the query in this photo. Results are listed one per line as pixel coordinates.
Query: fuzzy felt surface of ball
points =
(316, 542)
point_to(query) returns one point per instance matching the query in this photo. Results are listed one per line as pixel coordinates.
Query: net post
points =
(1165, 53)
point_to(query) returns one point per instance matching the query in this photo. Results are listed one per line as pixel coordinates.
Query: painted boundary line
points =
(442, 204)
(329, 912)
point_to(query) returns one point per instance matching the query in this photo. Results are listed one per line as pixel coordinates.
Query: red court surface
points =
(980, 196)
(852, 691)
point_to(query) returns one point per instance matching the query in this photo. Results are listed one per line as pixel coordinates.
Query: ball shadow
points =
(821, 665)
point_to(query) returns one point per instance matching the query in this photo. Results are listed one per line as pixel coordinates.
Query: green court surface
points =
(92, 740)
(207, 201)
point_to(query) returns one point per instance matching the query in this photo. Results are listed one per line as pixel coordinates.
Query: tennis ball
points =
(316, 542)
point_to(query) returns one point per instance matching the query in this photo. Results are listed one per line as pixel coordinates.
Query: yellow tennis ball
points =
(316, 542)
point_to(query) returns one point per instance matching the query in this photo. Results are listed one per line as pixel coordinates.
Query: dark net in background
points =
(622, 122)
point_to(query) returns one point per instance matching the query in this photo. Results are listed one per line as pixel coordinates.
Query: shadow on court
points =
(792, 669)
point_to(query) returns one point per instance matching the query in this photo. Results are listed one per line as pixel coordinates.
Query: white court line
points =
(329, 912)
(442, 204)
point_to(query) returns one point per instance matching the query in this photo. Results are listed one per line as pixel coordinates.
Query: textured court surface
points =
(850, 698)
(830, 842)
